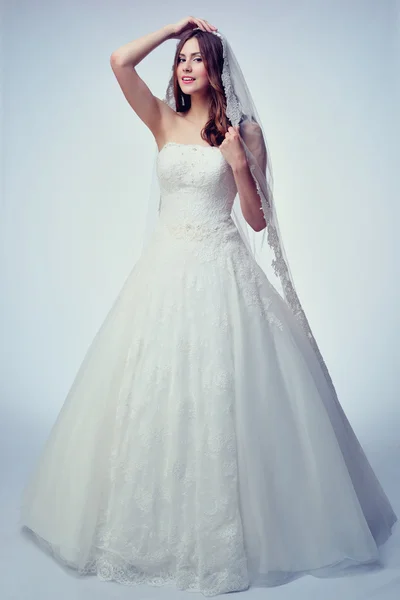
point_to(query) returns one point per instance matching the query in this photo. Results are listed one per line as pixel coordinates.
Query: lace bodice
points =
(197, 188)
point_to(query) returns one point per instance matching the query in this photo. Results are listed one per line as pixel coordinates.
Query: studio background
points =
(75, 171)
(76, 168)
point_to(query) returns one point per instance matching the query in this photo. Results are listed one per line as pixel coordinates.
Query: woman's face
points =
(190, 65)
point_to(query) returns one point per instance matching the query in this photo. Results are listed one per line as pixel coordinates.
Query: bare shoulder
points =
(177, 128)
(154, 112)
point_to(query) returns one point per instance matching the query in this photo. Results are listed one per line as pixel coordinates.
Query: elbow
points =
(256, 222)
(113, 59)
(259, 226)
(116, 60)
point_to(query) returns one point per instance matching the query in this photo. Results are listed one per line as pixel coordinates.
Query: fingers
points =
(208, 26)
(233, 131)
(205, 25)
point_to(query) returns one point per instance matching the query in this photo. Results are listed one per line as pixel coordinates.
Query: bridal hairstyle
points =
(212, 54)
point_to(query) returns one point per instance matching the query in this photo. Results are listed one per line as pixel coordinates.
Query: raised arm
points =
(151, 110)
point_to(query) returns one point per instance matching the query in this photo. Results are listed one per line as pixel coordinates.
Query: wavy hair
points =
(212, 54)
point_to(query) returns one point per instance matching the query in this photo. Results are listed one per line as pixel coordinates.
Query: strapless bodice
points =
(197, 188)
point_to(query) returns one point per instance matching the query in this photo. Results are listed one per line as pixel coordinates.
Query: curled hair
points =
(212, 54)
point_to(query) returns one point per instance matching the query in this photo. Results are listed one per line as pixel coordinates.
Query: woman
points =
(202, 442)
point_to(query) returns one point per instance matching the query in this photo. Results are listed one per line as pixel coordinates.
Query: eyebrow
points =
(192, 54)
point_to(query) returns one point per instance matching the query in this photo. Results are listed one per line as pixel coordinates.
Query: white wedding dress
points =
(200, 443)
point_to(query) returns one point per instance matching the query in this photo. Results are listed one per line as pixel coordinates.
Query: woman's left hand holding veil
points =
(232, 148)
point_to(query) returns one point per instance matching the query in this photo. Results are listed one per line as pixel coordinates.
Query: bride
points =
(202, 442)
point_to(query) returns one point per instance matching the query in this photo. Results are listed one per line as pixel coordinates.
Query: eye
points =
(197, 58)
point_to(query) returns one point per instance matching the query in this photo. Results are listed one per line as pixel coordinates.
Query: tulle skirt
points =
(200, 443)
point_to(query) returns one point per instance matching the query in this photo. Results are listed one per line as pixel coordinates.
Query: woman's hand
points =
(232, 148)
(188, 24)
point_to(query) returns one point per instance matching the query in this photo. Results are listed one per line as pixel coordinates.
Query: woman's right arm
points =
(155, 113)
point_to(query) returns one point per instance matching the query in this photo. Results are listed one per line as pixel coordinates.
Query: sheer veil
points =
(266, 246)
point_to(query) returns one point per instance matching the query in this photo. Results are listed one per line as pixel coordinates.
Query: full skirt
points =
(200, 443)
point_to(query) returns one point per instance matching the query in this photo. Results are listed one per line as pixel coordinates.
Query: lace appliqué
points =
(234, 111)
(108, 566)
(281, 270)
(198, 224)
(203, 274)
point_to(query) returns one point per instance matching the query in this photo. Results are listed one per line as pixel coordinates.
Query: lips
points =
(188, 80)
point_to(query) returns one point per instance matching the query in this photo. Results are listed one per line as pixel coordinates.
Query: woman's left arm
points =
(250, 200)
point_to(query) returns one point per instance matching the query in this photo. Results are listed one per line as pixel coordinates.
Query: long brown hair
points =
(212, 54)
